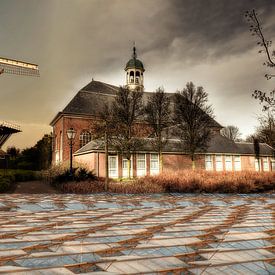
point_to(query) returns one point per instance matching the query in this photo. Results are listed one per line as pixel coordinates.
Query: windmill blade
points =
(11, 66)
(6, 130)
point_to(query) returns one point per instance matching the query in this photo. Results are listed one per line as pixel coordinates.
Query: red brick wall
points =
(178, 162)
(62, 125)
(79, 124)
(171, 163)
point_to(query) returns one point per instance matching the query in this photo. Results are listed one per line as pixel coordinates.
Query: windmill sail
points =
(11, 66)
(6, 130)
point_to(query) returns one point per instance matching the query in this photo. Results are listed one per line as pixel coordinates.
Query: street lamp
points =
(71, 135)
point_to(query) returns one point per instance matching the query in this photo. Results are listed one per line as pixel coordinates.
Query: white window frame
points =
(154, 171)
(237, 160)
(272, 164)
(209, 163)
(219, 168)
(113, 172)
(125, 170)
(228, 163)
(265, 164)
(141, 171)
(61, 147)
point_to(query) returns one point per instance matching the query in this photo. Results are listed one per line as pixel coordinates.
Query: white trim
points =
(156, 170)
(228, 163)
(125, 170)
(220, 168)
(265, 162)
(141, 171)
(113, 173)
(237, 168)
(210, 161)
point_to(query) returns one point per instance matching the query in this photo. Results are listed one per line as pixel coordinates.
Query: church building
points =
(82, 111)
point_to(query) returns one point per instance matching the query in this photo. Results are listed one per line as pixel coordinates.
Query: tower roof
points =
(134, 63)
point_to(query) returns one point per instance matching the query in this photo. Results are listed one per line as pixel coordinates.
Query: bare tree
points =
(231, 132)
(193, 117)
(104, 129)
(127, 109)
(268, 99)
(158, 116)
(266, 130)
(256, 144)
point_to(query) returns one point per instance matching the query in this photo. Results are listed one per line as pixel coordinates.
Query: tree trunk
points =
(129, 168)
(160, 162)
(193, 163)
(259, 164)
(106, 163)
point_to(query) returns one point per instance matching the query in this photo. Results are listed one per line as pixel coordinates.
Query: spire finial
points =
(134, 50)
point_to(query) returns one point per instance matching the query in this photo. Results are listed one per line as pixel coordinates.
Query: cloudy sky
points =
(204, 41)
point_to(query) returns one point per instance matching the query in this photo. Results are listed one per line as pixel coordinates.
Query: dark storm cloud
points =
(207, 27)
(206, 41)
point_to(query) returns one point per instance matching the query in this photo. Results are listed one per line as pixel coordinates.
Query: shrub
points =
(21, 175)
(82, 174)
(61, 174)
(5, 183)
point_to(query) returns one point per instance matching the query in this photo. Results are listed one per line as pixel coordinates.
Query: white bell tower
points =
(134, 72)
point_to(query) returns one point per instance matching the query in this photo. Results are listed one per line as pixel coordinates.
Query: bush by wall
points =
(60, 174)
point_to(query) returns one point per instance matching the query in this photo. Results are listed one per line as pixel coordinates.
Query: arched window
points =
(132, 75)
(137, 77)
(85, 137)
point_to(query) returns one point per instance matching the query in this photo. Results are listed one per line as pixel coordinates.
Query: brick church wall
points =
(61, 142)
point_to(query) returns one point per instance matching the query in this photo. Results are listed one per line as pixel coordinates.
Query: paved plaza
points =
(120, 234)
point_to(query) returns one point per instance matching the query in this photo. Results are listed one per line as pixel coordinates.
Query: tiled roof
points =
(91, 99)
(218, 144)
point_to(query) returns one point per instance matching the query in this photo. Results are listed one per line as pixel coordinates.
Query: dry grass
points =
(129, 187)
(183, 182)
(210, 182)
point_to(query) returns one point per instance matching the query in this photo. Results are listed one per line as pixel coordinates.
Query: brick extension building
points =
(222, 153)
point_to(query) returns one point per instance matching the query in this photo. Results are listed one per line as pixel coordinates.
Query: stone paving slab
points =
(130, 234)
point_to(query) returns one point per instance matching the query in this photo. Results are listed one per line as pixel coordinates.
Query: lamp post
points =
(71, 135)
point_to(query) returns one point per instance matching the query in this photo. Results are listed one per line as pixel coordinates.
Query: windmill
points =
(12, 66)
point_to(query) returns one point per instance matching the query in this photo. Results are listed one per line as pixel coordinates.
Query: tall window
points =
(113, 167)
(228, 163)
(208, 163)
(154, 164)
(85, 137)
(61, 147)
(237, 163)
(141, 165)
(273, 164)
(132, 76)
(137, 77)
(125, 168)
(265, 164)
(219, 164)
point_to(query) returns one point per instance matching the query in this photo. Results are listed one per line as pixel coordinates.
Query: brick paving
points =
(120, 234)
